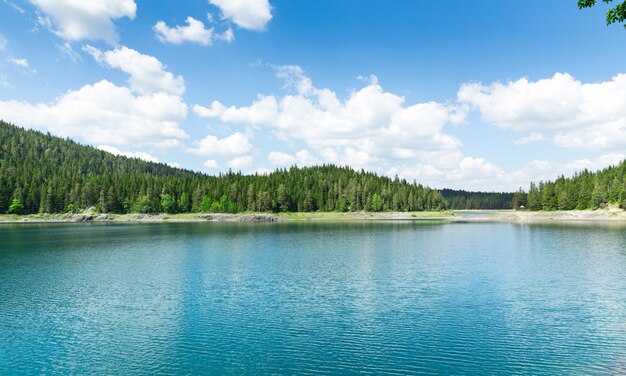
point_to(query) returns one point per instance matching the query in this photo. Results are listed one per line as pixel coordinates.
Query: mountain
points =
(47, 174)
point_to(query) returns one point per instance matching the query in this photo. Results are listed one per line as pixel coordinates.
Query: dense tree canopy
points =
(457, 200)
(613, 15)
(585, 190)
(40, 173)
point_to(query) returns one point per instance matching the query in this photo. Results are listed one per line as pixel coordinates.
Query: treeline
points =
(40, 173)
(585, 190)
(459, 200)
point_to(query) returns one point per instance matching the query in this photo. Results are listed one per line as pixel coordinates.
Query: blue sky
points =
(478, 95)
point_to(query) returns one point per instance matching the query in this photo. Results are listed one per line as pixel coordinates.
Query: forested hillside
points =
(585, 190)
(458, 200)
(40, 173)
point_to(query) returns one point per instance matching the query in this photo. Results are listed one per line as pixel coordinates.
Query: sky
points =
(476, 95)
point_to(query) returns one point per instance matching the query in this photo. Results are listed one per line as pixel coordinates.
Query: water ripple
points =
(396, 299)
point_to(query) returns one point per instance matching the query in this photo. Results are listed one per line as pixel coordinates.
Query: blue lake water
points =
(313, 298)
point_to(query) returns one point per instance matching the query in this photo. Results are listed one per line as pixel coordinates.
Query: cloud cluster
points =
(148, 113)
(194, 32)
(370, 128)
(104, 113)
(377, 130)
(583, 115)
(84, 20)
(247, 14)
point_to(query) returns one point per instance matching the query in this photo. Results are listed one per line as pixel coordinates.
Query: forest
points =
(459, 199)
(585, 190)
(41, 173)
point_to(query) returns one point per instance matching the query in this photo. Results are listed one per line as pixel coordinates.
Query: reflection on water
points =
(394, 297)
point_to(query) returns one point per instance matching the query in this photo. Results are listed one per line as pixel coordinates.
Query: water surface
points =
(336, 298)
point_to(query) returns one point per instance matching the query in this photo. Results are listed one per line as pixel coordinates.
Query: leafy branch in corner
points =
(613, 15)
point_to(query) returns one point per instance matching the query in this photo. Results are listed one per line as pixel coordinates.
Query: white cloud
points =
(174, 165)
(302, 158)
(533, 137)
(129, 154)
(227, 36)
(477, 174)
(147, 74)
(104, 113)
(247, 14)
(377, 130)
(585, 115)
(4, 82)
(15, 7)
(281, 159)
(240, 162)
(148, 113)
(305, 158)
(67, 50)
(371, 128)
(22, 63)
(193, 32)
(474, 168)
(75, 20)
(235, 144)
(211, 164)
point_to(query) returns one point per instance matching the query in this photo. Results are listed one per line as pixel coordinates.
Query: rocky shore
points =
(611, 214)
(218, 217)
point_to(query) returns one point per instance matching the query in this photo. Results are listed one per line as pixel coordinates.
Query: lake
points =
(313, 298)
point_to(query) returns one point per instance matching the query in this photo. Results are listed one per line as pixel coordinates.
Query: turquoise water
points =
(309, 298)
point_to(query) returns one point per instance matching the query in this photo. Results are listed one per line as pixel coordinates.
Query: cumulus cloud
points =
(129, 154)
(235, 144)
(370, 128)
(533, 137)
(149, 112)
(211, 164)
(104, 113)
(147, 74)
(281, 159)
(583, 115)
(84, 20)
(301, 158)
(227, 36)
(240, 162)
(247, 14)
(194, 32)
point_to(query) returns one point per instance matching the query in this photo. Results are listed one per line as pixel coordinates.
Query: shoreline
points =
(458, 216)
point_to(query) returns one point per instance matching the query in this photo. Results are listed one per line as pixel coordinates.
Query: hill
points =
(43, 173)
